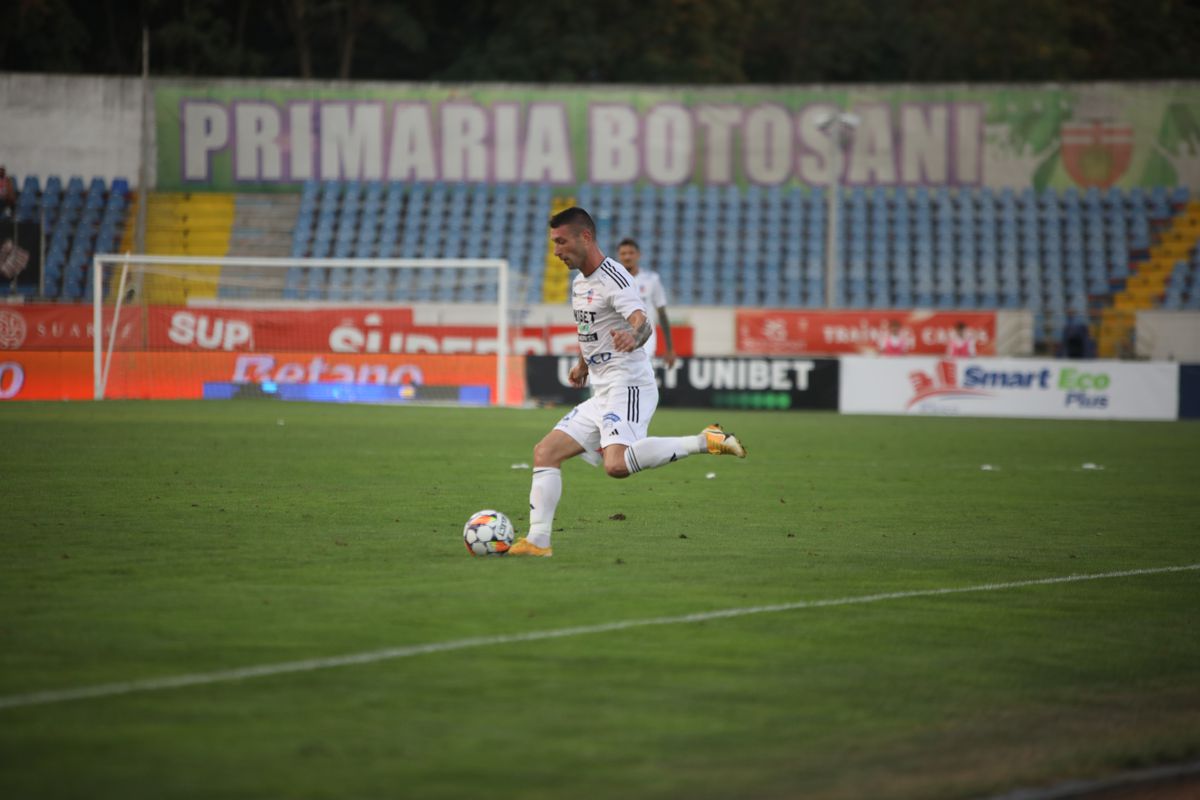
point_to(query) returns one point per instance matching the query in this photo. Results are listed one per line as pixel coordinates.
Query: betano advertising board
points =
(1009, 388)
(192, 376)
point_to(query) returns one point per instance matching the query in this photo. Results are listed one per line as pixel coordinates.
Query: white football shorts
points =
(614, 415)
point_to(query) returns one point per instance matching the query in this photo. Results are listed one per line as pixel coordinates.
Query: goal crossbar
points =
(102, 354)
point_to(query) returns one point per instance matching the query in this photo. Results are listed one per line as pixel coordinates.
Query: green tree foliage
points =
(619, 41)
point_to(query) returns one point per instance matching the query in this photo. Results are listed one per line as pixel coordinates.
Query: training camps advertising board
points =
(1009, 388)
(760, 383)
(782, 332)
(272, 135)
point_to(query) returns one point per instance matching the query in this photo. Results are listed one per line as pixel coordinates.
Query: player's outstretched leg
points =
(656, 451)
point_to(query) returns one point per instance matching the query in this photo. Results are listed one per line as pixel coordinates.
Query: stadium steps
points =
(184, 224)
(1116, 333)
(556, 281)
(1145, 287)
(262, 226)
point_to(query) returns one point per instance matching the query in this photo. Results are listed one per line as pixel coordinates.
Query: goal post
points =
(355, 320)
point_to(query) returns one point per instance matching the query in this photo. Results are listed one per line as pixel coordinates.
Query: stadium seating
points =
(1051, 252)
(435, 220)
(1046, 251)
(78, 221)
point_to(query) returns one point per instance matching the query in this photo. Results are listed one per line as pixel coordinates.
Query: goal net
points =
(325, 329)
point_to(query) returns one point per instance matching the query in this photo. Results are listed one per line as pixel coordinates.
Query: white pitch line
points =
(372, 656)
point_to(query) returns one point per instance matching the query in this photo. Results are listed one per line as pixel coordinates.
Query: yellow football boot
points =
(524, 547)
(721, 443)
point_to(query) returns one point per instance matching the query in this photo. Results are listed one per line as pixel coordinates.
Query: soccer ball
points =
(488, 533)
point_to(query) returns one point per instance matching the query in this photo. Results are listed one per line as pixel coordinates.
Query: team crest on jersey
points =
(590, 294)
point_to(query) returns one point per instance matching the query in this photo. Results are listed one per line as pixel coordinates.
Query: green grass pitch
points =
(151, 540)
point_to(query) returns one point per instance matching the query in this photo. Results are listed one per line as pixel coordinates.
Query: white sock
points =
(658, 450)
(544, 494)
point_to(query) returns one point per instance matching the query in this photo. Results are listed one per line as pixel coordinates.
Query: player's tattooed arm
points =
(641, 334)
(640, 323)
(629, 339)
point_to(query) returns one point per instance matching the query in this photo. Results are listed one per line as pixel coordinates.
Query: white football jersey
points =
(651, 289)
(602, 303)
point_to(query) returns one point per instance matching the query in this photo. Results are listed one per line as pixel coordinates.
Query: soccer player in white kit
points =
(612, 423)
(653, 295)
(961, 345)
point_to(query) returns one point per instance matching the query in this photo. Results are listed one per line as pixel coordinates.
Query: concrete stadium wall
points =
(1168, 335)
(71, 125)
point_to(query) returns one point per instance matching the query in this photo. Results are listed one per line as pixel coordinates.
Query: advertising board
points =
(759, 383)
(182, 375)
(362, 330)
(259, 135)
(1009, 388)
(788, 332)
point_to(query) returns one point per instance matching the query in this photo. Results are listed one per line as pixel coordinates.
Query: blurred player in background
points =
(1076, 337)
(651, 289)
(8, 193)
(961, 345)
(611, 425)
(894, 343)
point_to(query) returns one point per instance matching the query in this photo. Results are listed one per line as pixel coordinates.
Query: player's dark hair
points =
(627, 242)
(574, 216)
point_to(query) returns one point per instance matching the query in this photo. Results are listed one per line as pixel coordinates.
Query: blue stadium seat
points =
(27, 209)
(310, 192)
(880, 295)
